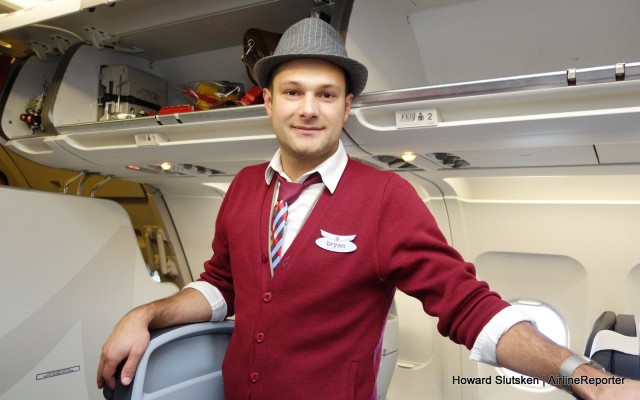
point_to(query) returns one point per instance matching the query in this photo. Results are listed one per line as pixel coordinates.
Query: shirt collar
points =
(330, 170)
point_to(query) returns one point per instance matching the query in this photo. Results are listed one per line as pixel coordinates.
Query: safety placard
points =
(417, 118)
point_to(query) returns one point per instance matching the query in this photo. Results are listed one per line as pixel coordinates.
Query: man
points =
(311, 296)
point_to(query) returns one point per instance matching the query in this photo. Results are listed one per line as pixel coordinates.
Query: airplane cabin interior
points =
(517, 123)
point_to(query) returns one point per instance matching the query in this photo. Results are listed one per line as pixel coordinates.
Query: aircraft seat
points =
(185, 362)
(182, 362)
(614, 344)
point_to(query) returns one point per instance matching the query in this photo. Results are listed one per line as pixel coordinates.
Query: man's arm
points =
(130, 338)
(525, 350)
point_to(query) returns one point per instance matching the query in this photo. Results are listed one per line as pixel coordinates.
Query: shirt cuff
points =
(484, 348)
(213, 296)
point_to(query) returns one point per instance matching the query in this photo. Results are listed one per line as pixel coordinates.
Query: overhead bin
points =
(31, 84)
(570, 117)
(236, 133)
(552, 119)
(146, 43)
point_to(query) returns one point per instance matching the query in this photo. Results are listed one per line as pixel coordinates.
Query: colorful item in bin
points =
(253, 96)
(33, 111)
(182, 108)
(205, 95)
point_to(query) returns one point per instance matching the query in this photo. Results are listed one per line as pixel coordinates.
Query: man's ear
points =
(266, 95)
(347, 107)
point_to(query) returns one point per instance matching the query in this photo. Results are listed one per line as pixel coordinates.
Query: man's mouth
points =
(305, 128)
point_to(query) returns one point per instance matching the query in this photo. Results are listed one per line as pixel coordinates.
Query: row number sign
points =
(416, 118)
(149, 139)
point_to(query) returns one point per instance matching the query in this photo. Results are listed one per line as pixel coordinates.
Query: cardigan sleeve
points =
(414, 254)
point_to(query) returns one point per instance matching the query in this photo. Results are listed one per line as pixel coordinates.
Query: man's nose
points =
(308, 106)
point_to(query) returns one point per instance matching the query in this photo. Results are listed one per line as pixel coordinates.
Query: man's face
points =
(308, 105)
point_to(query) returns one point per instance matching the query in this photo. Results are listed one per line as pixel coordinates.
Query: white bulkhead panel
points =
(71, 267)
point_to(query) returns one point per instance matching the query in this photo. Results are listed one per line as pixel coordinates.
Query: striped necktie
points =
(288, 192)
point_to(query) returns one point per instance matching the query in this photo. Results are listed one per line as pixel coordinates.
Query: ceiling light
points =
(408, 156)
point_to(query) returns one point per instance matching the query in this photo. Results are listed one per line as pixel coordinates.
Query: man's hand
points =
(525, 350)
(129, 340)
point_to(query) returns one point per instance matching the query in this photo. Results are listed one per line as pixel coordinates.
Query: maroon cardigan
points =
(314, 330)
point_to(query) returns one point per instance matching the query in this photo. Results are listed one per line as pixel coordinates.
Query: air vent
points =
(427, 162)
(176, 170)
(395, 163)
(194, 170)
(448, 160)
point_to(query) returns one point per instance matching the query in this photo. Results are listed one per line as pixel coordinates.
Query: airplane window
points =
(549, 323)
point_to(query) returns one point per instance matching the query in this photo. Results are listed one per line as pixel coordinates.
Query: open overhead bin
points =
(154, 49)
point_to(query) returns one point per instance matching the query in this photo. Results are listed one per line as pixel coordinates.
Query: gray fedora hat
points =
(312, 38)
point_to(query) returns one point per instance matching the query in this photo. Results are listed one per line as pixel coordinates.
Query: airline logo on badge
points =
(336, 243)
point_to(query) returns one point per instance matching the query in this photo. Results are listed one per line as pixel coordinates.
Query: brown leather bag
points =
(258, 44)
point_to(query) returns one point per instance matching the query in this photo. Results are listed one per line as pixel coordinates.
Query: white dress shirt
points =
(484, 348)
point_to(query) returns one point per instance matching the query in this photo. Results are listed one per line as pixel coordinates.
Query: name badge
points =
(336, 243)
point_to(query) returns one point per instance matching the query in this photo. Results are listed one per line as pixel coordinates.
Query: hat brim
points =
(356, 71)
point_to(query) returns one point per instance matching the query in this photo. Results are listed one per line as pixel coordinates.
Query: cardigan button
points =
(264, 258)
(254, 377)
(267, 297)
(259, 337)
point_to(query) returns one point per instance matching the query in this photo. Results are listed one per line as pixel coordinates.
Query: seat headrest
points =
(613, 343)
